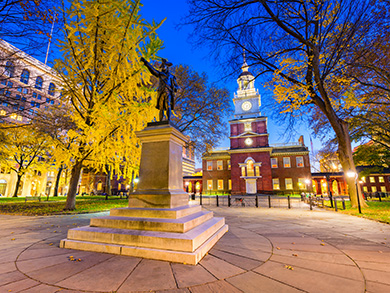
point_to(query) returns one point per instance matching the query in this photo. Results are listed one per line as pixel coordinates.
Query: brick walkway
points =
(265, 250)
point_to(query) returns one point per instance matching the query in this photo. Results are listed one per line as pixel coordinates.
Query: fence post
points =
(343, 202)
(380, 198)
(289, 203)
(200, 199)
(335, 205)
(269, 201)
(217, 201)
(311, 203)
(229, 201)
(257, 201)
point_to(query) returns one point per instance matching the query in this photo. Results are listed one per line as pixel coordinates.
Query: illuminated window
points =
(275, 183)
(250, 169)
(25, 76)
(381, 179)
(209, 184)
(274, 162)
(286, 162)
(9, 69)
(248, 126)
(365, 189)
(383, 188)
(3, 113)
(230, 184)
(289, 184)
(99, 186)
(300, 162)
(243, 171)
(229, 165)
(39, 83)
(13, 116)
(219, 165)
(373, 188)
(52, 88)
(301, 183)
(364, 179)
(372, 179)
(257, 170)
(209, 165)
(119, 186)
(220, 184)
(19, 118)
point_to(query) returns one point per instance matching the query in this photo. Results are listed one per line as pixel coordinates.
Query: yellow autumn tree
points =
(104, 84)
(24, 151)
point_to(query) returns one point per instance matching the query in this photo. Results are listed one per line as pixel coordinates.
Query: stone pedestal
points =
(159, 222)
(161, 177)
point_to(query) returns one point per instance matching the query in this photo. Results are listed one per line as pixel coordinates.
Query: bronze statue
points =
(167, 87)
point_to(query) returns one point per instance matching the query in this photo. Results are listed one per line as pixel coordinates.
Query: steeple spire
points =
(244, 66)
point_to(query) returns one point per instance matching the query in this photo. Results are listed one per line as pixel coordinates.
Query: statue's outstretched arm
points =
(150, 67)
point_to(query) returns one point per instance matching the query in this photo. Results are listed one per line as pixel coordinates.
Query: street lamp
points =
(352, 174)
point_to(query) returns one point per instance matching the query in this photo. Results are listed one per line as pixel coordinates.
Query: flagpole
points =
(48, 45)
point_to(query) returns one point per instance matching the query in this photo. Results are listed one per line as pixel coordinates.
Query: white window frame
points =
(219, 165)
(303, 164)
(209, 186)
(218, 186)
(286, 180)
(275, 182)
(209, 165)
(284, 162)
(276, 163)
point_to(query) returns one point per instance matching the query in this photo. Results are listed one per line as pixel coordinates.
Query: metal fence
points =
(266, 201)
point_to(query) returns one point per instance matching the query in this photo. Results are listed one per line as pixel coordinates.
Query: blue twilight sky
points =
(178, 50)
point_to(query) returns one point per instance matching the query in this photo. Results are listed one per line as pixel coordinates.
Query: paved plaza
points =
(265, 250)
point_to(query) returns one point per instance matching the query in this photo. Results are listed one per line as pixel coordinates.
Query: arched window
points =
(38, 83)
(250, 169)
(25, 76)
(52, 88)
(9, 69)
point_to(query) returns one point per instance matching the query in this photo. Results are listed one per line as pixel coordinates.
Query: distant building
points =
(26, 85)
(251, 165)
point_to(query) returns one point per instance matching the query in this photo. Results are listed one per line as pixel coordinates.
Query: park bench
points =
(32, 198)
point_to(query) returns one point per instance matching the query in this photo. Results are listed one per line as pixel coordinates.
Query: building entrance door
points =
(251, 186)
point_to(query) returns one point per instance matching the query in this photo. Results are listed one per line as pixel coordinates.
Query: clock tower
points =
(249, 148)
(247, 100)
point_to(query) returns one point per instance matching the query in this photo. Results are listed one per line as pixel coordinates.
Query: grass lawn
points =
(379, 211)
(55, 205)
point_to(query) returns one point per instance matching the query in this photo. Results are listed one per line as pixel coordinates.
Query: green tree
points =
(24, 151)
(303, 45)
(200, 108)
(105, 84)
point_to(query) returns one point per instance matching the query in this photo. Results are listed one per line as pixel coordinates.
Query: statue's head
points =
(165, 65)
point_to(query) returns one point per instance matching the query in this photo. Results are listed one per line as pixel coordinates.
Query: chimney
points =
(300, 140)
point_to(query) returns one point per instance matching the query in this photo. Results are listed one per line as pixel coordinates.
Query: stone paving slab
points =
(266, 250)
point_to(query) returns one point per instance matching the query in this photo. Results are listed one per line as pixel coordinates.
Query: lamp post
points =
(352, 174)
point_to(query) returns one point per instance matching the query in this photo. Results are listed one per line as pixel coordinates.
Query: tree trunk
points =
(55, 193)
(346, 159)
(108, 181)
(74, 181)
(19, 178)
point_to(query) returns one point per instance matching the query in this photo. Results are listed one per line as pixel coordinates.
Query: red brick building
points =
(251, 165)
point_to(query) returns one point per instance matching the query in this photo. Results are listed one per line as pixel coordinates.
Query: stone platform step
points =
(188, 241)
(167, 255)
(179, 225)
(173, 213)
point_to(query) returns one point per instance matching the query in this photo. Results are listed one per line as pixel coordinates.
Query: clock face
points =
(246, 106)
(248, 141)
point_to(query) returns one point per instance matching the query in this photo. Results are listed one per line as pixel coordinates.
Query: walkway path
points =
(266, 250)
